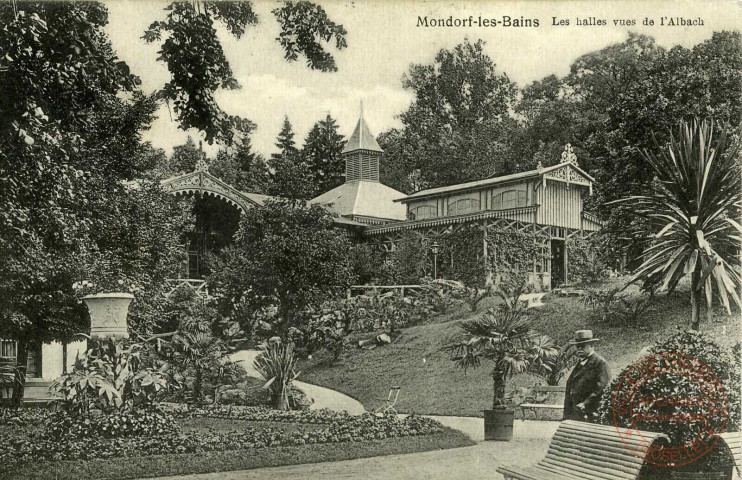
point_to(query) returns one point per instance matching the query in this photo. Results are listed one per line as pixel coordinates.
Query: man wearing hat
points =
(588, 379)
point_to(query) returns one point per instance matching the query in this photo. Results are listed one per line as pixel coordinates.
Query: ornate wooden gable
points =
(201, 181)
(567, 171)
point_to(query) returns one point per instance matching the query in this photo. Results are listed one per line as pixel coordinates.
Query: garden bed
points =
(214, 439)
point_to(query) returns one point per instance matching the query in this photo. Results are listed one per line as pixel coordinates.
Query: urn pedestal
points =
(108, 313)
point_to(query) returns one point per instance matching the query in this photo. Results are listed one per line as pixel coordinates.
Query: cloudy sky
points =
(383, 41)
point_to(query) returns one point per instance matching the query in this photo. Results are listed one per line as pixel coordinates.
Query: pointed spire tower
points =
(362, 154)
(363, 199)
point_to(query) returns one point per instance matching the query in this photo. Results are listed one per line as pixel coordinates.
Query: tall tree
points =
(70, 144)
(290, 176)
(184, 158)
(323, 154)
(199, 67)
(287, 255)
(456, 123)
(285, 142)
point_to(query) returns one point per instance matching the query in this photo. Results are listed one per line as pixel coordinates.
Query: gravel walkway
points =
(323, 397)
(529, 444)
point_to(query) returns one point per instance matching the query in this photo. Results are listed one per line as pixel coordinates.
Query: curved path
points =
(323, 397)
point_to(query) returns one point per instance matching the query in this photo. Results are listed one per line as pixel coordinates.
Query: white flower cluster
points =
(82, 284)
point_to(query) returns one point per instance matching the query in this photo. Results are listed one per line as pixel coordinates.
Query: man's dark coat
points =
(585, 384)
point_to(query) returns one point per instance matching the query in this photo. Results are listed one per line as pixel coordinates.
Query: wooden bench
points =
(538, 399)
(734, 442)
(532, 300)
(586, 451)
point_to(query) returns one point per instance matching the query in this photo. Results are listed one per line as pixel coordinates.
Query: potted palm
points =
(507, 339)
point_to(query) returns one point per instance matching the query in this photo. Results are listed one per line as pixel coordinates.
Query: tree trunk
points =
(695, 300)
(281, 402)
(64, 357)
(498, 387)
(19, 383)
(197, 384)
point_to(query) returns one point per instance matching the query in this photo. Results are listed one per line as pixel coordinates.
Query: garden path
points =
(530, 442)
(323, 397)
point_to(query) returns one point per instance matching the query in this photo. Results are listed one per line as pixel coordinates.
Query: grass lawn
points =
(432, 385)
(181, 464)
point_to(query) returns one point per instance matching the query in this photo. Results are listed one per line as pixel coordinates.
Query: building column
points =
(485, 252)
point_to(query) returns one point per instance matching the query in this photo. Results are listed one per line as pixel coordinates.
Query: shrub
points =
(109, 377)
(586, 261)
(249, 392)
(679, 420)
(122, 423)
(337, 428)
(277, 364)
(21, 417)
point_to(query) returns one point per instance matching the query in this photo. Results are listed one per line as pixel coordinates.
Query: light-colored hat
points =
(583, 336)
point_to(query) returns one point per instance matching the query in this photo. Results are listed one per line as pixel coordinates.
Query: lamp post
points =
(434, 249)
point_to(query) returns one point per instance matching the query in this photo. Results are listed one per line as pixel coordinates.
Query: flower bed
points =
(340, 428)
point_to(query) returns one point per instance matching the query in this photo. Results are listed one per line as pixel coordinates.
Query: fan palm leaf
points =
(507, 339)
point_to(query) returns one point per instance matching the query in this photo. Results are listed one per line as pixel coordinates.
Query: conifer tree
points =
(323, 154)
(285, 141)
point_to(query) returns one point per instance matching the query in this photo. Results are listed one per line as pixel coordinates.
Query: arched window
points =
(422, 212)
(509, 199)
(465, 205)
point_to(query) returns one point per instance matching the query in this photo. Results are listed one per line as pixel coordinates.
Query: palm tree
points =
(201, 351)
(690, 214)
(508, 340)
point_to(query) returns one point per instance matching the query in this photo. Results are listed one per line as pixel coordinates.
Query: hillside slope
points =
(432, 385)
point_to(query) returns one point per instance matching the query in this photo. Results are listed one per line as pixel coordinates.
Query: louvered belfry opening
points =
(362, 154)
(362, 165)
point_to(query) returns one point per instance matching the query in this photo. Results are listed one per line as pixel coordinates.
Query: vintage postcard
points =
(370, 239)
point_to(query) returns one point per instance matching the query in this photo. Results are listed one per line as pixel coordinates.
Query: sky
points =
(384, 39)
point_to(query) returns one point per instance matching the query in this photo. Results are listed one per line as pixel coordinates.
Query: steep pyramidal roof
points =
(362, 138)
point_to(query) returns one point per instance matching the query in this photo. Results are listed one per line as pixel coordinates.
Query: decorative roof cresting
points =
(202, 165)
(568, 155)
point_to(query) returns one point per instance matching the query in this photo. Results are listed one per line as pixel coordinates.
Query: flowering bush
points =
(21, 417)
(671, 402)
(118, 285)
(339, 428)
(125, 423)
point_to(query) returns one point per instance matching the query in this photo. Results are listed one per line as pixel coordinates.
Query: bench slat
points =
(540, 405)
(581, 466)
(592, 462)
(532, 473)
(603, 441)
(597, 454)
(584, 451)
(570, 472)
(549, 388)
(622, 452)
(611, 436)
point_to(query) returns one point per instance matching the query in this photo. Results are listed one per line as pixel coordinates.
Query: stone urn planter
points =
(108, 312)
(498, 424)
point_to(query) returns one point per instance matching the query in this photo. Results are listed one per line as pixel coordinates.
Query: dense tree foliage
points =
(198, 66)
(73, 204)
(290, 176)
(456, 125)
(287, 256)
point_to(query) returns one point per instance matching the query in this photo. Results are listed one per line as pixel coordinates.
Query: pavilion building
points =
(548, 201)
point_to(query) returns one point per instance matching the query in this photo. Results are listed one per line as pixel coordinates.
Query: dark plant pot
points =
(498, 424)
